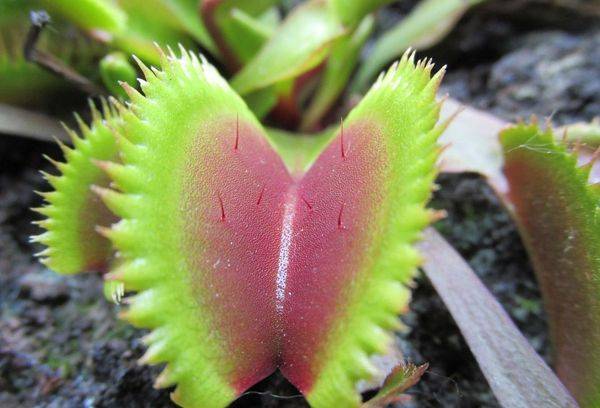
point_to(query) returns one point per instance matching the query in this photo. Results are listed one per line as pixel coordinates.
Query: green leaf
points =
(151, 22)
(185, 14)
(115, 68)
(22, 82)
(261, 102)
(430, 21)
(271, 19)
(134, 25)
(254, 26)
(340, 65)
(299, 151)
(558, 214)
(12, 11)
(251, 32)
(25, 83)
(302, 42)
(352, 12)
(90, 14)
(230, 29)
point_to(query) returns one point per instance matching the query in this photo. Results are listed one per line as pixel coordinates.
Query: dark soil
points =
(61, 344)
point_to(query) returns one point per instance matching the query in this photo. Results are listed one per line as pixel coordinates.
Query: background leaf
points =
(423, 27)
(352, 12)
(471, 144)
(338, 69)
(299, 44)
(230, 34)
(517, 375)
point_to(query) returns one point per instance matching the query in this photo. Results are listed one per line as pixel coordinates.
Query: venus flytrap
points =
(558, 214)
(212, 224)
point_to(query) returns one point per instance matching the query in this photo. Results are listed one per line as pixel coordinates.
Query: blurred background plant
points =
(291, 61)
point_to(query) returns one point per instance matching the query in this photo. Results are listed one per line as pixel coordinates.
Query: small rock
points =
(44, 287)
(551, 73)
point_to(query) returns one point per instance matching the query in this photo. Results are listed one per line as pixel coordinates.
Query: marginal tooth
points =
(182, 49)
(107, 112)
(150, 338)
(83, 127)
(125, 177)
(59, 165)
(63, 147)
(171, 55)
(42, 223)
(119, 203)
(148, 74)
(135, 274)
(127, 149)
(143, 307)
(46, 195)
(114, 291)
(161, 53)
(122, 234)
(437, 215)
(113, 104)
(362, 365)
(43, 253)
(106, 232)
(153, 355)
(165, 379)
(133, 93)
(44, 237)
(96, 115)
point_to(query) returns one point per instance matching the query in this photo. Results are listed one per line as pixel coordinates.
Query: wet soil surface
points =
(61, 344)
